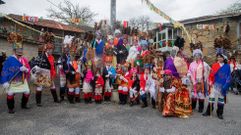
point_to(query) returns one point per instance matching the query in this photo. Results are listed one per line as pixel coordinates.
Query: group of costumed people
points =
(91, 71)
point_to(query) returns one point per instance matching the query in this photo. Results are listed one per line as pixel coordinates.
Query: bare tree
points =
(141, 22)
(68, 11)
(133, 22)
(233, 8)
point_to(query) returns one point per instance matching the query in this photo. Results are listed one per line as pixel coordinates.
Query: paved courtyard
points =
(112, 119)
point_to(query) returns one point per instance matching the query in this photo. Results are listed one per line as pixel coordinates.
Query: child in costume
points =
(73, 81)
(145, 83)
(123, 86)
(109, 75)
(99, 84)
(134, 87)
(87, 88)
(153, 89)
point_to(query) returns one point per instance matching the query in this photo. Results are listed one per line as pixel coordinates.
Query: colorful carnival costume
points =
(133, 52)
(169, 62)
(44, 70)
(168, 95)
(87, 87)
(145, 83)
(14, 73)
(62, 79)
(134, 87)
(198, 72)
(121, 51)
(220, 80)
(99, 84)
(109, 75)
(153, 89)
(183, 106)
(123, 86)
(73, 80)
(98, 44)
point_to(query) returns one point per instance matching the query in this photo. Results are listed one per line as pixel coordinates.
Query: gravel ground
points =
(112, 119)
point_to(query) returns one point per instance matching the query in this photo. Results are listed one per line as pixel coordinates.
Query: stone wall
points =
(30, 50)
(207, 36)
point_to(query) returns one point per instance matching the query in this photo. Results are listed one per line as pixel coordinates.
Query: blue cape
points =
(11, 67)
(223, 79)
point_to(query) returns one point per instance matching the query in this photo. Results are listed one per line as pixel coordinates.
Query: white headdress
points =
(196, 52)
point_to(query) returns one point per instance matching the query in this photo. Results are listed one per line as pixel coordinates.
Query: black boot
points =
(131, 103)
(200, 105)
(144, 100)
(209, 109)
(153, 102)
(194, 102)
(137, 101)
(10, 103)
(77, 99)
(38, 96)
(24, 101)
(71, 98)
(86, 100)
(90, 100)
(124, 99)
(120, 98)
(62, 93)
(107, 98)
(220, 111)
(55, 96)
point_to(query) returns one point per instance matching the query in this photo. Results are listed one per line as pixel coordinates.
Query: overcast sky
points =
(177, 9)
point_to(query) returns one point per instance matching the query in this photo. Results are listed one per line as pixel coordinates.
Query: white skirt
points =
(87, 87)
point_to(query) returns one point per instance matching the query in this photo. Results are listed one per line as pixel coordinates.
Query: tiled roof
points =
(209, 17)
(49, 24)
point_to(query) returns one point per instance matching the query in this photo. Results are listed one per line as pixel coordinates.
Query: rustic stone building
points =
(30, 37)
(205, 29)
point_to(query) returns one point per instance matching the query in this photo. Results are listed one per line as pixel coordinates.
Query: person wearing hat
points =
(62, 78)
(168, 94)
(64, 68)
(121, 51)
(87, 88)
(98, 44)
(15, 70)
(45, 61)
(123, 86)
(233, 64)
(99, 84)
(169, 62)
(198, 72)
(219, 81)
(109, 75)
(73, 80)
(145, 83)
